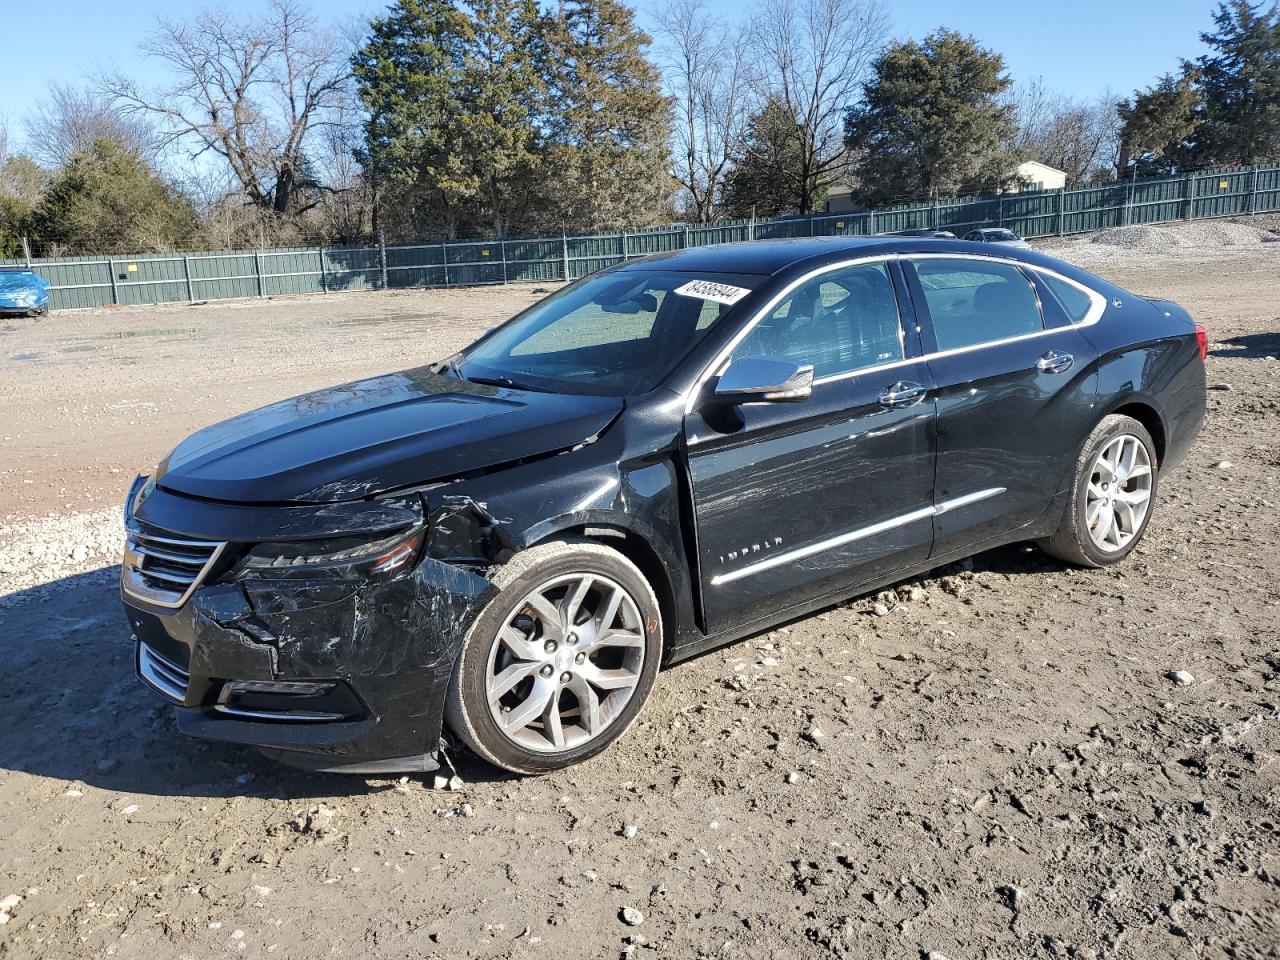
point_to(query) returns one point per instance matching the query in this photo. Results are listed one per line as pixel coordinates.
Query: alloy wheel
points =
(1119, 493)
(565, 663)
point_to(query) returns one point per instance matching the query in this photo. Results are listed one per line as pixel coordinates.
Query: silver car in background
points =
(1000, 235)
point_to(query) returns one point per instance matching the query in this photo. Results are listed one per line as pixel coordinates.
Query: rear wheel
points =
(1112, 496)
(560, 663)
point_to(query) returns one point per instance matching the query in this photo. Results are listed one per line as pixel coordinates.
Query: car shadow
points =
(74, 711)
(1013, 559)
(1249, 346)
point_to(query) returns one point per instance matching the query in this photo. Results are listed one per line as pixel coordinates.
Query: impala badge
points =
(746, 551)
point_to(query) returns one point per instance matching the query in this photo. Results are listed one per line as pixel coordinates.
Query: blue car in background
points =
(23, 293)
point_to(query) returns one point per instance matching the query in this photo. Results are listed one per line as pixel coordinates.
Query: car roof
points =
(769, 257)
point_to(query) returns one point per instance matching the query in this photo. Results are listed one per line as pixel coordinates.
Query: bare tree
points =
(812, 56)
(1078, 137)
(71, 119)
(704, 63)
(254, 92)
(348, 206)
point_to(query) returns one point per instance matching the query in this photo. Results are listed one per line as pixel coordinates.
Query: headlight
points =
(141, 489)
(353, 555)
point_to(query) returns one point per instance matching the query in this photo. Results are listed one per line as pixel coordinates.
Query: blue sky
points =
(1080, 47)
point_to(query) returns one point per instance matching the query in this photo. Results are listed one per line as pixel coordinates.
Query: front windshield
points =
(1001, 235)
(614, 334)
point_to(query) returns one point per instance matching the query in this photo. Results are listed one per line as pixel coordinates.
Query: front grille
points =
(163, 569)
(162, 674)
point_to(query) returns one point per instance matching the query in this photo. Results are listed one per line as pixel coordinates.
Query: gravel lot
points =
(993, 761)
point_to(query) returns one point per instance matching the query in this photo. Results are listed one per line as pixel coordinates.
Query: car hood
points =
(21, 288)
(375, 435)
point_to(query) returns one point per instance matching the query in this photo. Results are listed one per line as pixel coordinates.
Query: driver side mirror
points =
(764, 380)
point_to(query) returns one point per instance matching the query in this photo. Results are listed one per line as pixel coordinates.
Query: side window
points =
(1074, 301)
(839, 322)
(977, 301)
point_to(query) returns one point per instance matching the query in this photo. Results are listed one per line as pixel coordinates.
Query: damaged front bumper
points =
(326, 672)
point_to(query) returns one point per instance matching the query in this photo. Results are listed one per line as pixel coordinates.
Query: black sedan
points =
(654, 461)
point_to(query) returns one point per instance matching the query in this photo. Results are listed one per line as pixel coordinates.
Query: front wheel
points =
(560, 662)
(1112, 496)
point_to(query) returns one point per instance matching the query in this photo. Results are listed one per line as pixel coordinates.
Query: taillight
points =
(1202, 341)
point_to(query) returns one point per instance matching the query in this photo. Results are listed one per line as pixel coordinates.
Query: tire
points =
(536, 649)
(1094, 494)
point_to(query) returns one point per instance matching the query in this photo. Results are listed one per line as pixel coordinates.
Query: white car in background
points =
(998, 235)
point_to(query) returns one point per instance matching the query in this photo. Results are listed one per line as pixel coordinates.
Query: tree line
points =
(449, 119)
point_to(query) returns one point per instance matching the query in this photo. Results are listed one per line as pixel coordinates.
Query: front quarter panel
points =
(625, 482)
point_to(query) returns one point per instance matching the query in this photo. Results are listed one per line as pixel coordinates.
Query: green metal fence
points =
(102, 281)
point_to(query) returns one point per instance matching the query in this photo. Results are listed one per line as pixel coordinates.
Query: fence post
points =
(751, 234)
(624, 246)
(324, 279)
(26, 250)
(444, 260)
(1000, 210)
(502, 245)
(257, 269)
(1062, 194)
(382, 255)
(684, 236)
(186, 273)
(1253, 190)
(871, 223)
(111, 269)
(1189, 194)
(564, 252)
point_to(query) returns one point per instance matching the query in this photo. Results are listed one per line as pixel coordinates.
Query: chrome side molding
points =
(861, 533)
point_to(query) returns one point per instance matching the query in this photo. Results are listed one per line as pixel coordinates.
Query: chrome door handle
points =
(904, 393)
(1055, 362)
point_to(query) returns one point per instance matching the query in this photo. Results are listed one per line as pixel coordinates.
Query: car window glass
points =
(974, 301)
(594, 325)
(1075, 301)
(615, 333)
(710, 313)
(839, 322)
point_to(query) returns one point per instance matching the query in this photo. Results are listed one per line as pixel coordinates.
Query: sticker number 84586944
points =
(709, 290)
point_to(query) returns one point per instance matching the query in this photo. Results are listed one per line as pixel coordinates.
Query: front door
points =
(795, 501)
(1014, 394)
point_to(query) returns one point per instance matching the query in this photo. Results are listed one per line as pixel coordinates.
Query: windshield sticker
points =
(706, 290)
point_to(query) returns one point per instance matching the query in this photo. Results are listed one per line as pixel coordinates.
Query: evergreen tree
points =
(1239, 83)
(107, 200)
(1156, 124)
(409, 76)
(932, 122)
(22, 183)
(14, 217)
(766, 177)
(609, 123)
(501, 91)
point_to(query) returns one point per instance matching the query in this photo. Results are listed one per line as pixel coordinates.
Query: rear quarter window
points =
(974, 301)
(1075, 301)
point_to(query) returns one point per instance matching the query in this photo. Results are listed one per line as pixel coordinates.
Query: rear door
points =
(797, 500)
(1013, 394)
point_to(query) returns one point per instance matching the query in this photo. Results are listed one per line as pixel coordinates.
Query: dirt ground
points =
(997, 765)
